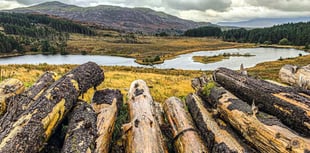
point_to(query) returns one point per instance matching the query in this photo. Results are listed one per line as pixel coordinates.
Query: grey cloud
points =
(284, 5)
(29, 2)
(201, 5)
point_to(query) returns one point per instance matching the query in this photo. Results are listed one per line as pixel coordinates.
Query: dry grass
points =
(270, 70)
(163, 83)
(146, 46)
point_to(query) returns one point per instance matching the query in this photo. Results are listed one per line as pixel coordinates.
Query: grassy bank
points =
(145, 46)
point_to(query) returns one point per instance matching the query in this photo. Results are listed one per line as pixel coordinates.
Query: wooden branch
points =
(34, 127)
(106, 104)
(9, 88)
(218, 135)
(82, 129)
(290, 106)
(186, 137)
(296, 76)
(143, 132)
(263, 131)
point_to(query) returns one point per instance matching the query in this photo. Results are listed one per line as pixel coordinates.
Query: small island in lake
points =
(217, 58)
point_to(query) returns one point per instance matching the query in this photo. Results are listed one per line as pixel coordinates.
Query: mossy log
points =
(263, 131)
(185, 135)
(33, 128)
(219, 136)
(143, 133)
(106, 104)
(82, 130)
(9, 88)
(296, 76)
(287, 104)
(21, 102)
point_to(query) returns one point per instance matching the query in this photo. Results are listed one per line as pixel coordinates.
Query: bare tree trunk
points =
(9, 88)
(263, 131)
(82, 130)
(21, 102)
(290, 106)
(296, 76)
(143, 132)
(186, 137)
(218, 135)
(34, 127)
(106, 104)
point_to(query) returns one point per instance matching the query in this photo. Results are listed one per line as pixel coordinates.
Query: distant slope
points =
(128, 19)
(264, 22)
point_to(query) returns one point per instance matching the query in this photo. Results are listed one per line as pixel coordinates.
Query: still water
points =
(181, 62)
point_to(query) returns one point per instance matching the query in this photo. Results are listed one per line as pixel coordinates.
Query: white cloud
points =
(198, 10)
(8, 4)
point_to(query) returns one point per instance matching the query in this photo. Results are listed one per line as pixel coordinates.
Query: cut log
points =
(218, 135)
(106, 104)
(159, 113)
(296, 76)
(34, 127)
(82, 130)
(185, 135)
(263, 131)
(21, 102)
(9, 88)
(287, 104)
(143, 132)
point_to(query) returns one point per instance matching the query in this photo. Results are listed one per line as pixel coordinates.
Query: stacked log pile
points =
(231, 112)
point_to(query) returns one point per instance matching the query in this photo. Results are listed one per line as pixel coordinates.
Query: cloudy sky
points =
(199, 10)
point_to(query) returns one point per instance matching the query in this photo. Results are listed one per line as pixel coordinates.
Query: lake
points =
(181, 62)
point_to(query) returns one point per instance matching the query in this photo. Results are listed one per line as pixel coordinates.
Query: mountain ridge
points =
(264, 22)
(123, 18)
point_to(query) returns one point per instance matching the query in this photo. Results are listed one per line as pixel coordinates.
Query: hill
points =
(264, 22)
(128, 19)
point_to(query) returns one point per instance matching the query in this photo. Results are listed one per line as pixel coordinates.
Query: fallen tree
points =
(290, 106)
(263, 131)
(106, 104)
(296, 76)
(217, 134)
(9, 88)
(142, 133)
(21, 102)
(185, 135)
(82, 130)
(34, 127)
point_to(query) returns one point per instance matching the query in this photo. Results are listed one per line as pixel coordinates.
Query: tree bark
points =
(82, 129)
(296, 76)
(218, 135)
(21, 102)
(9, 88)
(290, 106)
(263, 131)
(186, 137)
(143, 132)
(34, 127)
(106, 104)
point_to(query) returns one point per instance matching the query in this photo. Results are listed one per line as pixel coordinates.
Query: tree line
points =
(37, 32)
(285, 34)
